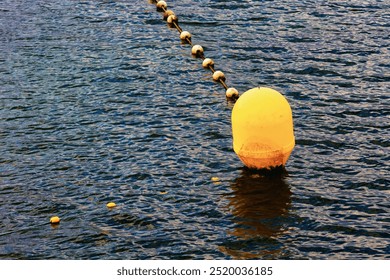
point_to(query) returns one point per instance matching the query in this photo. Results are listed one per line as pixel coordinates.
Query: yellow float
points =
(215, 179)
(55, 220)
(111, 205)
(262, 127)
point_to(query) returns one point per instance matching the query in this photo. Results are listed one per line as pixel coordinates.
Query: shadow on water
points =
(259, 203)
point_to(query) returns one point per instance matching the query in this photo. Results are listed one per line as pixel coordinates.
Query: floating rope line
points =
(262, 124)
(197, 50)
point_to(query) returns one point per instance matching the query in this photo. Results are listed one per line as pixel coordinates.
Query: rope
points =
(197, 50)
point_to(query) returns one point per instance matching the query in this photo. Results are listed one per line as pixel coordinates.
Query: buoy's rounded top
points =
(263, 100)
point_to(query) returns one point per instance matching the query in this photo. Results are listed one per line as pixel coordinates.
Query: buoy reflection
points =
(258, 202)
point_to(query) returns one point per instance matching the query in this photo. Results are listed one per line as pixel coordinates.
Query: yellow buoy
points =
(215, 179)
(55, 220)
(111, 205)
(262, 127)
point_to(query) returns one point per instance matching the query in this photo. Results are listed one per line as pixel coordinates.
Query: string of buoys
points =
(197, 50)
(262, 123)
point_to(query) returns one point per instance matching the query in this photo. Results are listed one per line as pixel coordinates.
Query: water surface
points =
(99, 102)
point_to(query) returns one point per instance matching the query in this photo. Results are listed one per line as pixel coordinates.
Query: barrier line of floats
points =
(262, 123)
(197, 50)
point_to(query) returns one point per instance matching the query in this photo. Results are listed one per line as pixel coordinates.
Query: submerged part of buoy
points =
(262, 128)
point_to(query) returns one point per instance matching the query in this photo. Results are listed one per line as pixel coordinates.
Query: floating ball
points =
(207, 62)
(197, 50)
(262, 128)
(184, 35)
(111, 205)
(219, 75)
(167, 14)
(161, 5)
(232, 93)
(55, 220)
(172, 19)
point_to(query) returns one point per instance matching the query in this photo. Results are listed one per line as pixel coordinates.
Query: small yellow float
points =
(55, 220)
(111, 205)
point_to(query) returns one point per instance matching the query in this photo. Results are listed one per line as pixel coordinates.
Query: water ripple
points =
(99, 102)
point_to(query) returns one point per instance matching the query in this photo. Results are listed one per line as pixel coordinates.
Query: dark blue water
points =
(99, 102)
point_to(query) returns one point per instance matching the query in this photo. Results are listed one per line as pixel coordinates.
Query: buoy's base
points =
(278, 171)
(265, 160)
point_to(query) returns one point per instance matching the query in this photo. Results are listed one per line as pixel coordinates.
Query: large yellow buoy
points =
(262, 127)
